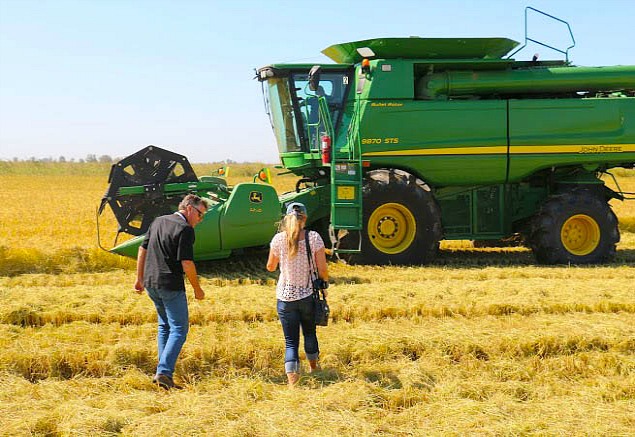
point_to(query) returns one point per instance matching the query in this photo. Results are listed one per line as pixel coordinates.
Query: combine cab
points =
(403, 142)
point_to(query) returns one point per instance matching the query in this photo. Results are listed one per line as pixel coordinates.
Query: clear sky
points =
(108, 77)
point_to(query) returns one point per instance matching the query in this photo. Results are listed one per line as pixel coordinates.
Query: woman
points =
(294, 290)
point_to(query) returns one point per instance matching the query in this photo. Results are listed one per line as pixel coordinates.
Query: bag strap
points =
(309, 254)
(313, 271)
(313, 274)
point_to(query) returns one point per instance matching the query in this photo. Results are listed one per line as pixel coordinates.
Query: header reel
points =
(137, 193)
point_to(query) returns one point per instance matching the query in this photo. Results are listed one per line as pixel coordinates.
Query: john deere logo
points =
(255, 196)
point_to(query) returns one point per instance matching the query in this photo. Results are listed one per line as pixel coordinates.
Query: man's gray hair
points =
(194, 200)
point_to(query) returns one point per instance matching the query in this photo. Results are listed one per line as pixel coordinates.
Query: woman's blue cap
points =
(295, 208)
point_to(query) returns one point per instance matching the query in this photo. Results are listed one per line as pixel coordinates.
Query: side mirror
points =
(264, 175)
(314, 77)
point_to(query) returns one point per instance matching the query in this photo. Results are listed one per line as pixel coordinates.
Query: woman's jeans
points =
(173, 326)
(292, 315)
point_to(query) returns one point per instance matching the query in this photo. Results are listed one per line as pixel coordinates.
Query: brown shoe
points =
(314, 366)
(165, 382)
(293, 378)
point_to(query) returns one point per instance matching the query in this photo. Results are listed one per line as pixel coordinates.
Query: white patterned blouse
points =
(293, 283)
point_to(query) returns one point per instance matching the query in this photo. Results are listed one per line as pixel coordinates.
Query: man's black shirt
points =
(169, 241)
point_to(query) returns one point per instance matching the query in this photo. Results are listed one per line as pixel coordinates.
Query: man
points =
(165, 254)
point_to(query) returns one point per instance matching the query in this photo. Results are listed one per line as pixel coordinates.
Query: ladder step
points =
(346, 179)
(347, 204)
(347, 182)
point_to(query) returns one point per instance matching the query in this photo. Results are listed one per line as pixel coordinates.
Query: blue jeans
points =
(173, 326)
(293, 315)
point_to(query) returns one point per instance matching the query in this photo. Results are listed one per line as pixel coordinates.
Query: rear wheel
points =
(402, 222)
(577, 227)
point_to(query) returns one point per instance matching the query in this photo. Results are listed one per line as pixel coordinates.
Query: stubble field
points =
(482, 341)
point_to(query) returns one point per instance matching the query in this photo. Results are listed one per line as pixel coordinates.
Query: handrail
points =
(621, 192)
(352, 134)
(323, 121)
(325, 115)
(565, 52)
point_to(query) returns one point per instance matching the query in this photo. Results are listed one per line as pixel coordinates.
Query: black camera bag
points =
(321, 307)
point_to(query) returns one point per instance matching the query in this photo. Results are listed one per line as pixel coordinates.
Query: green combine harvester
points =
(403, 142)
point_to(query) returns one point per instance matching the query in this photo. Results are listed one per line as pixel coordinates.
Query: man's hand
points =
(190, 271)
(141, 265)
(199, 293)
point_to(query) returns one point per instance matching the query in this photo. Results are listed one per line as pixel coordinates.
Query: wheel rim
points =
(392, 228)
(580, 234)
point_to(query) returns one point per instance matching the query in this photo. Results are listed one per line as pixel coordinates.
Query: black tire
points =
(576, 227)
(393, 199)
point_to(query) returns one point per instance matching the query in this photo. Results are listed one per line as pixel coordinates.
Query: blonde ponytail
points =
(292, 225)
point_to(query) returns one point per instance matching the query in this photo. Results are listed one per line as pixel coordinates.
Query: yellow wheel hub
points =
(580, 234)
(392, 228)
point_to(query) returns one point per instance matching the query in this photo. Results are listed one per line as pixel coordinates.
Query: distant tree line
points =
(89, 158)
(94, 158)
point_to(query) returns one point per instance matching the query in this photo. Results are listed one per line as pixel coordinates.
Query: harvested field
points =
(482, 341)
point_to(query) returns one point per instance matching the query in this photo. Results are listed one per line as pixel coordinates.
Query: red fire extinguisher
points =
(326, 148)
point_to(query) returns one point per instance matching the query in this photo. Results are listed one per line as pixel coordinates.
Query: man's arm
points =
(141, 265)
(190, 271)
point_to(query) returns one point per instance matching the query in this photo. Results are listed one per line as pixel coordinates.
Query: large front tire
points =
(402, 221)
(576, 227)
